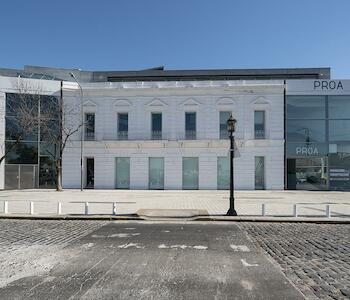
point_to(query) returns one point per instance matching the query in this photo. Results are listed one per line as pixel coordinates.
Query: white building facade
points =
(188, 149)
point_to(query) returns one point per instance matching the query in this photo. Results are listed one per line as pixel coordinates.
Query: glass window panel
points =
(22, 153)
(259, 124)
(11, 177)
(190, 173)
(259, 172)
(190, 125)
(156, 173)
(223, 175)
(156, 125)
(224, 116)
(17, 103)
(122, 172)
(339, 107)
(306, 107)
(90, 126)
(28, 177)
(49, 107)
(339, 168)
(50, 130)
(339, 130)
(308, 131)
(15, 131)
(123, 125)
(47, 173)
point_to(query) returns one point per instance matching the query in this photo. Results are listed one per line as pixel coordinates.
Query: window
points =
(122, 173)
(259, 124)
(89, 126)
(190, 173)
(190, 126)
(339, 130)
(306, 131)
(339, 107)
(21, 153)
(123, 126)
(90, 173)
(156, 126)
(259, 173)
(224, 116)
(223, 173)
(306, 107)
(156, 173)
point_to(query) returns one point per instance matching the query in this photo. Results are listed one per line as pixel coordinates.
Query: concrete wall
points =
(173, 99)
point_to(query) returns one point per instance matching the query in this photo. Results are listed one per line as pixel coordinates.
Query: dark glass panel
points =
(259, 124)
(190, 125)
(17, 103)
(339, 107)
(224, 116)
(15, 131)
(308, 131)
(22, 153)
(89, 126)
(306, 107)
(339, 130)
(47, 173)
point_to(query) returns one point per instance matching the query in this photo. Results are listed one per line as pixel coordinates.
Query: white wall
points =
(207, 99)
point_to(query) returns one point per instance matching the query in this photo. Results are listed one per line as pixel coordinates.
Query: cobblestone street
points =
(315, 257)
(36, 257)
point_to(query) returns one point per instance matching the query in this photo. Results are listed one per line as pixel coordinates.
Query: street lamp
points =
(81, 131)
(231, 127)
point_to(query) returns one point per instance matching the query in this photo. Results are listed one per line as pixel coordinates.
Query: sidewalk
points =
(248, 203)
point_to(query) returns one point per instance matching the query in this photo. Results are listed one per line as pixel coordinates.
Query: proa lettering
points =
(327, 85)
(306, 150)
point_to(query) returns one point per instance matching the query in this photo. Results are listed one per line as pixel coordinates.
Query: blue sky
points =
(179, 34)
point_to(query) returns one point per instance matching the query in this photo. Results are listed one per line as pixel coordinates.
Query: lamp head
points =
(231, 125)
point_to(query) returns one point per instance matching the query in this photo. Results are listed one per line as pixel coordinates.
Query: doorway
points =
(90, 173)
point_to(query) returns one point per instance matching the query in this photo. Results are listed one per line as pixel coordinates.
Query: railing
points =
(123, 135)
(259, 134)
(89, 136)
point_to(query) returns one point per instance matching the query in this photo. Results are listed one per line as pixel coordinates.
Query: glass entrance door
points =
(190, 173)
(156, 173)
(307, 173)
(122, 173)
(90, 173)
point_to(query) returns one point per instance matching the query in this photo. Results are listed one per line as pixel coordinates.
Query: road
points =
(144, 260)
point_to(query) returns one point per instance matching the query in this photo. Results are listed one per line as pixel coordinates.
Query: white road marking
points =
(244, 262)
(129, 228)
(134, 245)
(88, 245)
(119, 235)
(240, 248)
(165, 231)
(137, 233)
(197, 247)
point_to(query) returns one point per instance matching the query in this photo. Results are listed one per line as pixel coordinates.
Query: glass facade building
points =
(30, 159)
(318, 142)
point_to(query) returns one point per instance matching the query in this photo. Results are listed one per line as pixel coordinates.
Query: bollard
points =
(6, 207)
(263, 210)
(295, 210)
(31, 207)
(59, 208)
(328, 211)
(86, 208)
(114, 208)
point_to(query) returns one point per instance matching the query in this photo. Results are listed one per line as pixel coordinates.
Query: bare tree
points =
(48, 117)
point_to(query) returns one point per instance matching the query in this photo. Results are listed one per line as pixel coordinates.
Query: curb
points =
(202, 218)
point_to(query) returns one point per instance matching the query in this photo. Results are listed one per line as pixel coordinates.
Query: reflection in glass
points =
(156, 173)
(339, 130)
(339, 107)
(122, 172)
(259, 124)
(223, 173)
(90, 126)
(123, 126)
(47, 173)
(259, 172)
(190, 125)
(306, 107)
(224, 116)
(15, 131)
(190, 173)
(308, 131)
(156, 126)
(22, 153)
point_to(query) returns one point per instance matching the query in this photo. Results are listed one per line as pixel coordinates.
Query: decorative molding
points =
(122, 103)
(157, 103)
(226, 101)
(190, 102)
(260, 101)
(89, 104)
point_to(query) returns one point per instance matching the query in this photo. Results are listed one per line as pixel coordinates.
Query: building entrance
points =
(21, 176)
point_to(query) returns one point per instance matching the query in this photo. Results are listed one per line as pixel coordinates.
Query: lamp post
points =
(81, 131)
(231, 126)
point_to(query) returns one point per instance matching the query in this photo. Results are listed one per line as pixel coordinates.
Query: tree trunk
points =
(59, 175)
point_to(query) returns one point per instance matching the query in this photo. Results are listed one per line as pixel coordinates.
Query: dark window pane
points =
(156, 122)
(19, 104)
(123, 126)
(89, 126)
(339, 130)
(47, 173)
(306, 107)
(224, 116)
(49, 107)
(190, 125)
(49, 130)
(259, 124)
(306, 131)
(15, 130)
(339, 107)
(22, 152)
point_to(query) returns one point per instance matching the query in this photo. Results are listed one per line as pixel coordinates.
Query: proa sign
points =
(321, 85)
